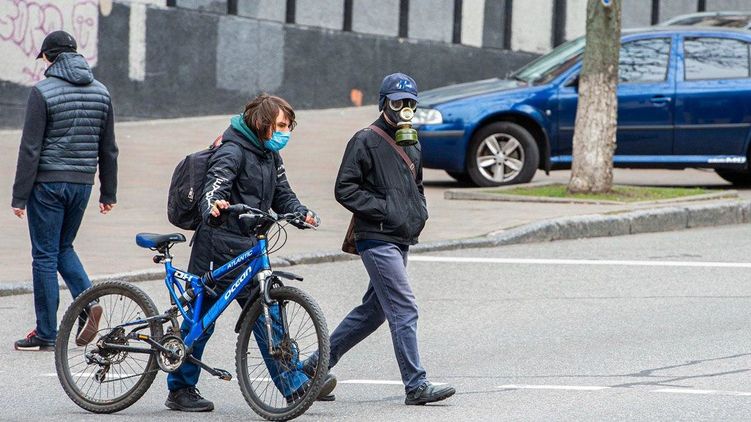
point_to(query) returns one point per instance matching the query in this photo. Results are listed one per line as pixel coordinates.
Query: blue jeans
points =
(287, 382)
(55, 211)
(389, 298)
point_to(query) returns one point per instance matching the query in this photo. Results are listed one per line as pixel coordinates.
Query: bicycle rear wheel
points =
(105, 380)
(275, 387)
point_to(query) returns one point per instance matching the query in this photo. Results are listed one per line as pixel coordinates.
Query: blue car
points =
(684, 100)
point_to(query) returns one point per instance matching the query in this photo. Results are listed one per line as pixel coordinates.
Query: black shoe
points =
(429, 393)
(188, 400)
(32, 342)
(329, 383)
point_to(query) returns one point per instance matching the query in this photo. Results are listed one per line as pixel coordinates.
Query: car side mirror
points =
(574, 83)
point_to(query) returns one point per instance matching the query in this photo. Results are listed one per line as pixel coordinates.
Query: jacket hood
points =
(71, 67)
(241, 134)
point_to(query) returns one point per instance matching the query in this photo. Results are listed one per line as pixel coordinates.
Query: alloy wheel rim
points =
(500, 157)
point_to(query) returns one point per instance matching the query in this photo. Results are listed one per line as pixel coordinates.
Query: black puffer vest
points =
(77, 107)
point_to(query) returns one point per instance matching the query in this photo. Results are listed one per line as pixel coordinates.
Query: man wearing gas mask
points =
(380, 182)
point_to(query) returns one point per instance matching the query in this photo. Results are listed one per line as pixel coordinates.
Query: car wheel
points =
(502, 153)
(459, 177)
(736, 177)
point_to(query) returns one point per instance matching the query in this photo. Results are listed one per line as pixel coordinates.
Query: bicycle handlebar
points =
(246, 211)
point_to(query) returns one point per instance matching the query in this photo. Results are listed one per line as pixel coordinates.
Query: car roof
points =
(684, 30)
(709, 14)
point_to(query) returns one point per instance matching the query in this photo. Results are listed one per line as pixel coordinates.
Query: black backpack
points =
(186, 188)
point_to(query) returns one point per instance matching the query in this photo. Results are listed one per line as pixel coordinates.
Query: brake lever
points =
(303, 223)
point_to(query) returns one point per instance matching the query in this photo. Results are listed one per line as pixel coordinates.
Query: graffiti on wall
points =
(25, 23)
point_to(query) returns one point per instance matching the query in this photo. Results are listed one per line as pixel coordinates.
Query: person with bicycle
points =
(245, 169)
(380, 182)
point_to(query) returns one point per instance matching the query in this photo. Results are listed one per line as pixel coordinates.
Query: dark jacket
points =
(68, 130)
(377, 186)
(240, 172)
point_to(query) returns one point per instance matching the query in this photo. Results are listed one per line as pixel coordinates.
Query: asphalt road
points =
(645, 327)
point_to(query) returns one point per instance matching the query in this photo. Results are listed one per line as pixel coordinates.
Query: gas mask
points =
(400, 112)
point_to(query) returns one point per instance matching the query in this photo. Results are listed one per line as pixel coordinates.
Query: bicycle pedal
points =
(223, 375)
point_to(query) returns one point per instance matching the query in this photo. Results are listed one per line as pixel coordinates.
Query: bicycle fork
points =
(265, 286)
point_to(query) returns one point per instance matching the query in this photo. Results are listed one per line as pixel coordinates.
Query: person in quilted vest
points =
(68, 133)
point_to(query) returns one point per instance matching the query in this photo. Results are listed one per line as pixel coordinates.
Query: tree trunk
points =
(596, 112)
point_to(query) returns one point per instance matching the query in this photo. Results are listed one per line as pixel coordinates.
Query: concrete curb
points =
(653, 220)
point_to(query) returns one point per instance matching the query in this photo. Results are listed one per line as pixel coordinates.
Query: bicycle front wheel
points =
(103, 380)
(273, 383)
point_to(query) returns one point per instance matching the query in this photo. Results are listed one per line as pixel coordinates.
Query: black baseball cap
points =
(57, 41)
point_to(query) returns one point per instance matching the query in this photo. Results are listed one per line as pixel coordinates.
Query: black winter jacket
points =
(377, 186)
(241, 173)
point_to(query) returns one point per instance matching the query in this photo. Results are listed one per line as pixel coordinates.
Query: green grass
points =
(619, 193)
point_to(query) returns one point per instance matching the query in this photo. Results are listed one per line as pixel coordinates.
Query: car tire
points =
(459, 176)
(502, 153)
(736, 177)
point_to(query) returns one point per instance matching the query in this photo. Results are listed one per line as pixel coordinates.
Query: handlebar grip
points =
(237, 209)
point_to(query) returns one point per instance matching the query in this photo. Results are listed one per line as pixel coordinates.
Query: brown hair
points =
(260, 114)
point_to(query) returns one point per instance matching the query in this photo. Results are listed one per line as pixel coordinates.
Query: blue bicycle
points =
(107, 369)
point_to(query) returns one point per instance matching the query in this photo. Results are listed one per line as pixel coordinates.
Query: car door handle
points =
(659, 100)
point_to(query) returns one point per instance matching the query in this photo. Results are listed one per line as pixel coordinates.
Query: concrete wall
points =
(744, 5)
(214, 6)
(273, 10)
(636, 13)
(379, 17)
(320, 13)
(672, 8)
(576, 18)
(431, 19)
(473, 18)
(532, 25)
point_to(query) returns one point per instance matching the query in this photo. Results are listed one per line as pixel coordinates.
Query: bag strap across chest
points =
(399, 150)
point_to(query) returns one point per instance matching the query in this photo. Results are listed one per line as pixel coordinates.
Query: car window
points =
(715, 58)
(644, 60)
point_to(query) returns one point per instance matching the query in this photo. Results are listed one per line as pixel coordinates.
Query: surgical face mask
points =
(401, 113)
(278, 141)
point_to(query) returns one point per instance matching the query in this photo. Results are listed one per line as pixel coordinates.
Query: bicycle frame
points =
(257, 261)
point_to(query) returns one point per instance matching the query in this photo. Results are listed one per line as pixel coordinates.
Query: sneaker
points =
(33, 342)
(88, 323)
(329, 383)
(429, 393)
(188, 400)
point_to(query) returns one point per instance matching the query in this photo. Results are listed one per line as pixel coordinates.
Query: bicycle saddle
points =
(158, 241)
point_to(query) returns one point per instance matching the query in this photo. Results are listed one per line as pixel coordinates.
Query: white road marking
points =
(380, 382)
(377, 382)
(552, 387)
(89, 374)
(708, 392)
(540, 261)
(600, 388)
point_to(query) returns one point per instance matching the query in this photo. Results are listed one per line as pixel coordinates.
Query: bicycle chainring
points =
(171, 362)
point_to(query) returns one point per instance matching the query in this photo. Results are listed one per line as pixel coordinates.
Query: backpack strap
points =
(397, 148)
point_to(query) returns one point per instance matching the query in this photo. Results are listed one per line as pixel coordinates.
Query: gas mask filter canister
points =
(402, 112)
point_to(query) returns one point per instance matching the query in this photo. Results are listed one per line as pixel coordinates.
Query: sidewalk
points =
(150, 150)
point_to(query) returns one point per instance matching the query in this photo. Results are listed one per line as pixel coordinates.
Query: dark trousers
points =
(55, 212)
(389, 298)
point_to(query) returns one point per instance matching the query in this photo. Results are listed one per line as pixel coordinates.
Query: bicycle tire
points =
(289, 294)
(62, 363)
